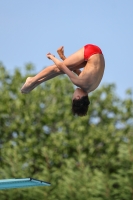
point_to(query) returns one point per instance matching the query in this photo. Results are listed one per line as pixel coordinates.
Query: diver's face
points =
(78, 94)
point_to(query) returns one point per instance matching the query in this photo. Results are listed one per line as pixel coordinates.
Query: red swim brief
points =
(90, 50)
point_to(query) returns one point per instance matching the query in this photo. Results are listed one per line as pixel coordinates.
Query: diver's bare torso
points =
(93, 72)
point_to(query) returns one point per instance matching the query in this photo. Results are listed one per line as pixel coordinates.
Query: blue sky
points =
(29, 29)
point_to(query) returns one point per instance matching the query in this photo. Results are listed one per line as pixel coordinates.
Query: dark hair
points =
(80, 106)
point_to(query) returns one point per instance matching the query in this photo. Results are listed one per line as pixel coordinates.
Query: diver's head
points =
(80, 102)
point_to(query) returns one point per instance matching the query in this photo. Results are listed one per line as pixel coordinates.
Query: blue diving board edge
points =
(22, 182)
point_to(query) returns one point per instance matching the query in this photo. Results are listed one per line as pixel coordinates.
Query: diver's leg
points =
(46, 74)
(73, 62)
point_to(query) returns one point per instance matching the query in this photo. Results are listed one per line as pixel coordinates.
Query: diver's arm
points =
(60, 52)
(76, 80)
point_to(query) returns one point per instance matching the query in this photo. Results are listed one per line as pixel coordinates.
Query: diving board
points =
(20, 183)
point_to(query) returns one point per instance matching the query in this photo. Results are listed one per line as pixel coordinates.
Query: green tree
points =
(83, 157)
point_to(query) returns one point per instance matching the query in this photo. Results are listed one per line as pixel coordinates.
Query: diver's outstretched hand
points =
(60, 52)
(50, 56)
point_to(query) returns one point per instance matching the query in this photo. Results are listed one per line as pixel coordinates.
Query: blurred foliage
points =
(84, 158)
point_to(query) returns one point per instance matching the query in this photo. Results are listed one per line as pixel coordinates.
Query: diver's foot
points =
(28, 86)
